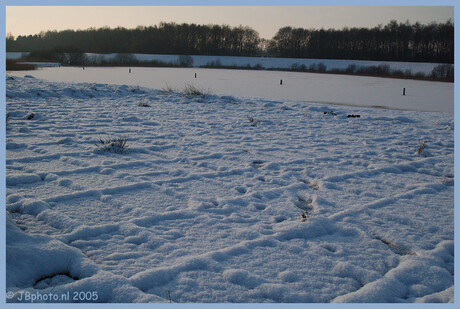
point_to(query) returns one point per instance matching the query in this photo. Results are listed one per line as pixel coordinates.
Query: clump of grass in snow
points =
(189, 90)
(134, 90)
(113, 144)
(253, 122)
(193, 91)
(143, 103)
(169, 89)
(304, 216)
(421, 148)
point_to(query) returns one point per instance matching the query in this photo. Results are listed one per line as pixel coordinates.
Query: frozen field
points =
(306, 87)
(265, 62)
(276, 63)
(224, 198)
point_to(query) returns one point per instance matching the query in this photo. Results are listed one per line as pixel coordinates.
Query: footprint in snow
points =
(106, 198)
(279, 219)
(241, 190)
(257, 164)
(64, 182)
(66, 141)
(312, 184)
(330, 248)
(260, 206)
(40, 151)
(107, 171)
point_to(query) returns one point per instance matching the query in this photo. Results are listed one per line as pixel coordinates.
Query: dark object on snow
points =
(404, 91)
(281, 82)
(353, 116)
(330, 113)
(304, 217)
(31, 116)
(253, 122)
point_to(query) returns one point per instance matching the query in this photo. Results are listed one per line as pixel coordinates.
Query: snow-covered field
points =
(264, 62)
(307, 87)
(14, 55)
(224, 198)
(276, 63)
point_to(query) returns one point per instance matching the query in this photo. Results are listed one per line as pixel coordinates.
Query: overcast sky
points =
(25, 20)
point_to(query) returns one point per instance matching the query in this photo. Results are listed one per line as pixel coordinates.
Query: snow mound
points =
(39, 264)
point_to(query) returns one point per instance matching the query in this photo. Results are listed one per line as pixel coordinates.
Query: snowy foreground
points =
(223, 199)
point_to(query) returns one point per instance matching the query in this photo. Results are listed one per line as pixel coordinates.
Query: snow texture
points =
(306, 206)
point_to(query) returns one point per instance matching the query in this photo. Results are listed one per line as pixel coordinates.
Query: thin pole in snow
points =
(129, 70)
(404, 91)
(195, 75)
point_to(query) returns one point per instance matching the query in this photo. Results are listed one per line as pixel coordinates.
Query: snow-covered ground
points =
(264, 62)
(224, 198)
(276, 63)
(43, 64)
(14, 55)
(308, 87)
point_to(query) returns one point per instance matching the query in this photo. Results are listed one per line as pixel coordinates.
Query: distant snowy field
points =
(208, 202)
(265, 62)
(271, 63)
(307, 87)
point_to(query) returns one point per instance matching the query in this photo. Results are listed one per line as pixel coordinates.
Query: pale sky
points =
(25, 20)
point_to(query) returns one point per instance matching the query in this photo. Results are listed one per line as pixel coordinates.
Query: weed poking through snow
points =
(253, 122)
(304, 216)
(113, 144)
(168, 89)
(421, 148)
(143, 103)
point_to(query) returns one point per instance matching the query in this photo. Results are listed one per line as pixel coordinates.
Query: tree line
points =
(166, 38)
(393, 42)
